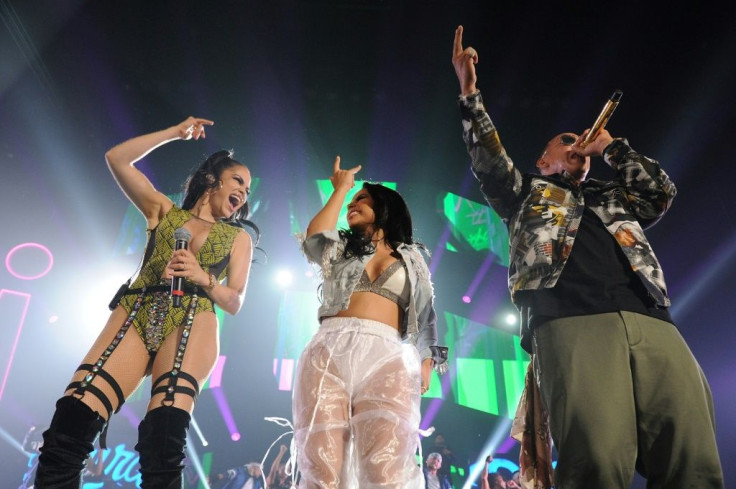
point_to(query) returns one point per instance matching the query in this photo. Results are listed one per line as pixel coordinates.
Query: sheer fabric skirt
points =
(356, 408)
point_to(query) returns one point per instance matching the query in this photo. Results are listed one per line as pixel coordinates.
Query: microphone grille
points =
(182, 234)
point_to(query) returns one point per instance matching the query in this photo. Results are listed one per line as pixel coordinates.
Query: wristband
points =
(213, 282)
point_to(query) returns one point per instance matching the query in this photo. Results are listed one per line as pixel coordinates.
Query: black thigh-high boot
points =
(161, 441)
(67, 444)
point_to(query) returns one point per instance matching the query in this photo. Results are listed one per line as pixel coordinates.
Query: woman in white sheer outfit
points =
(360, 378)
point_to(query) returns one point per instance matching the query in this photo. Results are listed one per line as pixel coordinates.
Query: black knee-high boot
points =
(161, 441)
(67, 444)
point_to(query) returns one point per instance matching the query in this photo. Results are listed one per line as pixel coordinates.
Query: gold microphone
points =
(603, 117)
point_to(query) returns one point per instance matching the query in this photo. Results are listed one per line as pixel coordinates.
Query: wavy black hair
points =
(392, 216)
(207, 176)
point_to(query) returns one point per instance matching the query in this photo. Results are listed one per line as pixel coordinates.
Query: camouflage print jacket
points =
(543, 213)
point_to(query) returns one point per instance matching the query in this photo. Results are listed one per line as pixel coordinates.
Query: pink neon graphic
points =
(287, 374)
(216, 377)
(21, 246)
(283, 368)
(27, 299)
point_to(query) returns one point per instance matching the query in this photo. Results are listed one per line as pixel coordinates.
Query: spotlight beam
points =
(227, 414)
(202, 439)
(194, 457)
(495, 438)
(13, 442)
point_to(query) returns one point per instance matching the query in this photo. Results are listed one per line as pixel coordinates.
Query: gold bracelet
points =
(213, 282)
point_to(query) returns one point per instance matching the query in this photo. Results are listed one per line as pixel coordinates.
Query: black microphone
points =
(603, 117)
(181, 242)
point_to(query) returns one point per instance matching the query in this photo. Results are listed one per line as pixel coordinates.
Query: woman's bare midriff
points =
(367, 305)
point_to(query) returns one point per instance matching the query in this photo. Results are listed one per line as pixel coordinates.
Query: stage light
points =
(201, 466)
(199, 432)
(494, 440)
(511, 319)
(284, 278)
(12, 441)
(485, 266)
(53, 318)
(99, 296)
(227, 414)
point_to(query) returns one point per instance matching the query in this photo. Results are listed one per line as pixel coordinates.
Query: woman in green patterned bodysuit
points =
(178, 346)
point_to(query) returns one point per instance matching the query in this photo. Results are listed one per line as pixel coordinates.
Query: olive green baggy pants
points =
(624, 392)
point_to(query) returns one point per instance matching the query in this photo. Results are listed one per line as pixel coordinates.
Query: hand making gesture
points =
(192, 128)
(342, 182)
(343, 178)
(464, 61)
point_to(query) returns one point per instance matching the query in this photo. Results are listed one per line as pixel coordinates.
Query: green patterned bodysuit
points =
(156, 318)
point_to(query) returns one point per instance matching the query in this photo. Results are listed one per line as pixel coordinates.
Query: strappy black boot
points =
(67, 444)
(161, 441)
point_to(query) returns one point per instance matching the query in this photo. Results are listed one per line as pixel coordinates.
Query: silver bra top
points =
(393, 284)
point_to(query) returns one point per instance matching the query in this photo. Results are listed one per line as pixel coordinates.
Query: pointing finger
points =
(336, 166)
(458, 46)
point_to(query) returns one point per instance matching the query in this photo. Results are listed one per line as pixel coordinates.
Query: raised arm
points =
(274, 471)
(137, 187)
(464, 61)
(342, 182)
(500, 181)
(484, 484)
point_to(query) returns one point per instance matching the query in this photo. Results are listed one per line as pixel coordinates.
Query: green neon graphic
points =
(477, 226)
(489, 366)
(476, 384)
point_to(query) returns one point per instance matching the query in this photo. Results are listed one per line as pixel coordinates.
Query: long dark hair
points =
(206, 177)
(392, 216)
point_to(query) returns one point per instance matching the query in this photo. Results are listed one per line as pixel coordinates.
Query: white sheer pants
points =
(356, 408)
